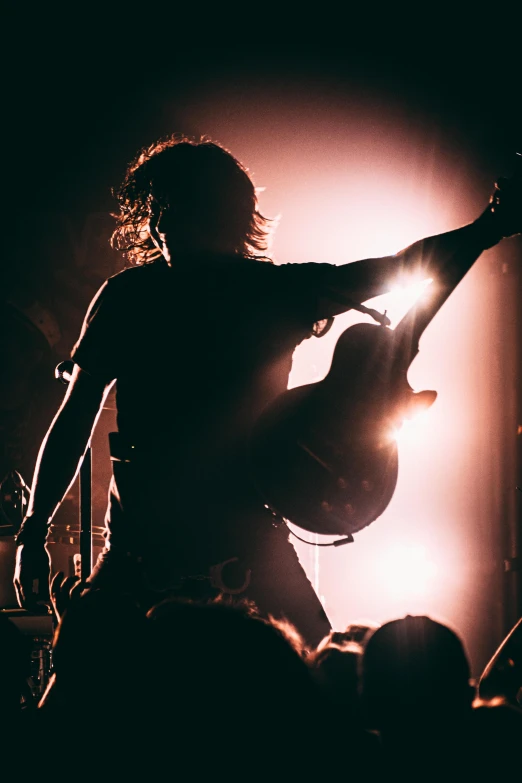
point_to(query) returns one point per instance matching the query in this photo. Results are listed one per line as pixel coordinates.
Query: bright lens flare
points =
(406, 571)
(401, 298)
(414, 430)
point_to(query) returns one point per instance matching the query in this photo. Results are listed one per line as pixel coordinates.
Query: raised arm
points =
(444, 257)
(58, 462)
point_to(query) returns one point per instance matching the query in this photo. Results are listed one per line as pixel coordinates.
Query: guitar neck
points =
(450, 259)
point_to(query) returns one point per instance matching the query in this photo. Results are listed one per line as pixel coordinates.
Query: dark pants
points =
(160, 545)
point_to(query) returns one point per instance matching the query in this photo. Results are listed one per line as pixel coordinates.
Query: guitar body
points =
(324, 455)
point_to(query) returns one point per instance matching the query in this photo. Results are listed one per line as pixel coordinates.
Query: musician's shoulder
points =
(306, 272)
(298, 267)
(135, 276)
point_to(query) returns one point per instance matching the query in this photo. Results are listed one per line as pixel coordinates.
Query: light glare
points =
(406, 570)
(413, 430)
(402, 298)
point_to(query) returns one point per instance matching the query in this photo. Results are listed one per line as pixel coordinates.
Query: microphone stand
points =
(63, 373)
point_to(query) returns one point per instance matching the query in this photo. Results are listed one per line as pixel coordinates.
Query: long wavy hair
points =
(200, 179)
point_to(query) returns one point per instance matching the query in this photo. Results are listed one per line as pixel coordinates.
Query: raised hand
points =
(64, 590)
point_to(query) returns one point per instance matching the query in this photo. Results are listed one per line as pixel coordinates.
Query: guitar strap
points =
(323, 326)
(381, 318)
(350, 304)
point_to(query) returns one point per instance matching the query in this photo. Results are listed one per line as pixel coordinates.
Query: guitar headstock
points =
(506, 201)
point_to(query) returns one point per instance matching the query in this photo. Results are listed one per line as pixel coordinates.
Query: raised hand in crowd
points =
(63, 591)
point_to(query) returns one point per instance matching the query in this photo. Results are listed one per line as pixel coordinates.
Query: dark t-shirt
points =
(197, 353)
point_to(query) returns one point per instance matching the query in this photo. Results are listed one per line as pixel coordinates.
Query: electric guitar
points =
(324, 455)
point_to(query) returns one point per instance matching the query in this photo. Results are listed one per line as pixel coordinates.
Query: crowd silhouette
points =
(208, 687)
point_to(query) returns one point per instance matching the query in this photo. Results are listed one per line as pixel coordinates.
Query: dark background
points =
(83, 90)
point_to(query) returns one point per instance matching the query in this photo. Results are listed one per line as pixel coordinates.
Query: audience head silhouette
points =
(414, 668)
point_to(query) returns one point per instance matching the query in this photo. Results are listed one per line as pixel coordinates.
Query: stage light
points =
(362, 180)
(402, 298)
(406, 571)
